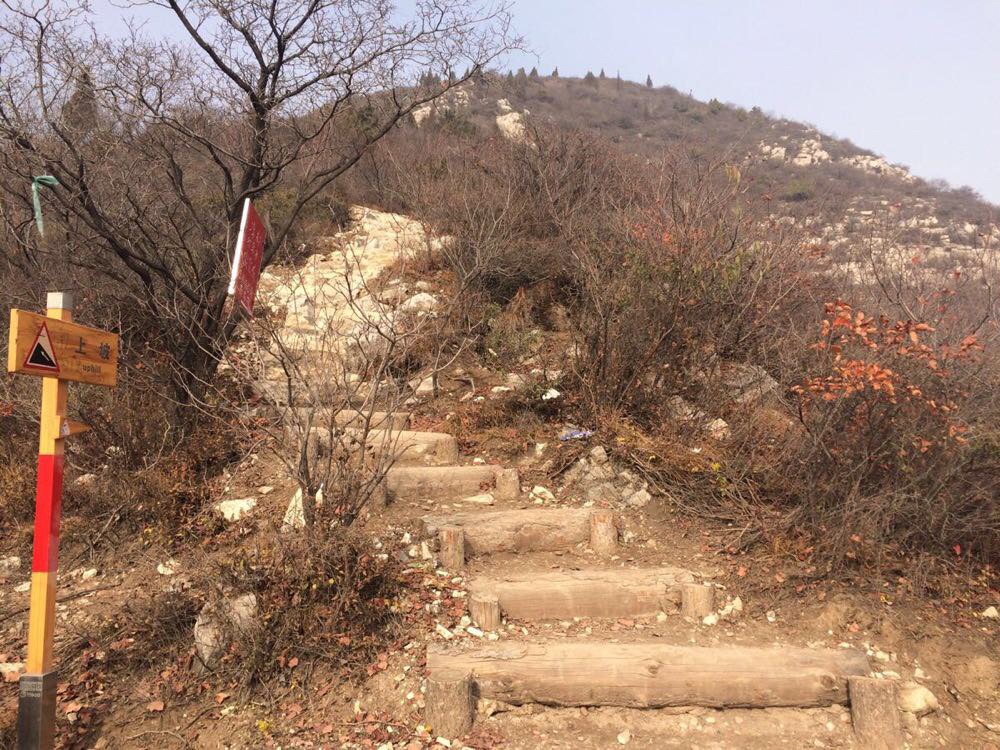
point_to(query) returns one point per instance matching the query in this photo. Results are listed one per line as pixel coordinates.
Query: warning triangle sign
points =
(42, 356)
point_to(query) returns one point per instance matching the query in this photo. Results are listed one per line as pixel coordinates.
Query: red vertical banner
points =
(246, 259)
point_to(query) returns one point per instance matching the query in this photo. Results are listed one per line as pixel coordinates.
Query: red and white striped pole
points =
(36, 713)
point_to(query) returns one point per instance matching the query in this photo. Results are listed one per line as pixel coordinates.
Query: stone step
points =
(465, 535)
(348, 417)
(632, 675)
(613, 592)
(447, 482)
(407, 447)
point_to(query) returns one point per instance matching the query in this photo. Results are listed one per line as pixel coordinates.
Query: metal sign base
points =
(36, 711)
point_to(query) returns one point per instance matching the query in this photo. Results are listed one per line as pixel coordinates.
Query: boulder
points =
(218, 622)
(747, 384)
(420, 303)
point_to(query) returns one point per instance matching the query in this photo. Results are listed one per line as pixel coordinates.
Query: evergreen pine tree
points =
(649, 81)
(533, 73)
(79, 114)
(555, 72)
(602, 76)
(590, 79)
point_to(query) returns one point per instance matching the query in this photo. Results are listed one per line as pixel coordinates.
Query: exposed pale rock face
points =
(772, 151)
(512, 127)
(421, 113)
(811, 152)
(331, 320)
(748, 384)
(878, 165)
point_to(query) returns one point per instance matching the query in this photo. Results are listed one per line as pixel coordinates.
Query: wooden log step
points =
(652, 675)
(443, 482)
(407, 447)
(394, 420)
(412, 447)
(615, 592)
(530, 530)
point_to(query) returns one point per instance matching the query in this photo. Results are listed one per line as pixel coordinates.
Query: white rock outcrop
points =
(811, 152)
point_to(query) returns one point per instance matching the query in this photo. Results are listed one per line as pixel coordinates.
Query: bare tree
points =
(157, 144)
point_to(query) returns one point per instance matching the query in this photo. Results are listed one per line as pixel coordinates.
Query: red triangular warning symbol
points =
(41, 355)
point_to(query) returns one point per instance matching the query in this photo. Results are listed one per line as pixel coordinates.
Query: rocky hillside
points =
(835, 189)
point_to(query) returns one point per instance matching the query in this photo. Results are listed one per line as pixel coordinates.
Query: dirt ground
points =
(932, 634)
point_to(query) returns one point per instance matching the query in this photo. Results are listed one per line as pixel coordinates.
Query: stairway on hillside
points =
(522, 564)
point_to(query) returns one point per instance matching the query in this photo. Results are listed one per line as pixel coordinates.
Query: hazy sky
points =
(913, 80)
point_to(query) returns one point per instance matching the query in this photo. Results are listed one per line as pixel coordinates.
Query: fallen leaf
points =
(155, 706)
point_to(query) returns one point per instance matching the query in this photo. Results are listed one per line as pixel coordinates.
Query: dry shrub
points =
(668, 270)
(325, 596)
(902, 442)
(149, 630)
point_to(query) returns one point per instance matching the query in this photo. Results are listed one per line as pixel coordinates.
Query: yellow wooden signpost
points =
(57, 350)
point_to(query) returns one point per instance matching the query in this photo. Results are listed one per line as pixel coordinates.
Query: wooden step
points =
(644, 675)
(407, 447)
(298, 415)
(410, 447)
(529, 530)
(614, 592)
(447, 482)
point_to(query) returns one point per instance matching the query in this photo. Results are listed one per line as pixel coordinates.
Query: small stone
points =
(541, 494)
(916, 699)
(265, 489)
(718, 429)
(11, 671)
(624, 737)
(88, 574)
(233, 510)
(23, 587)
(425, 552)
(771, 616)
(598, 455)
(10, 565)
(413, 552)
(85, 480)
(712, 619)
(444, 632)
(168, 568)
(422, 302)
(661, 616)
(485, 498)
(639, 499)
(551, 394)
(990, 613)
